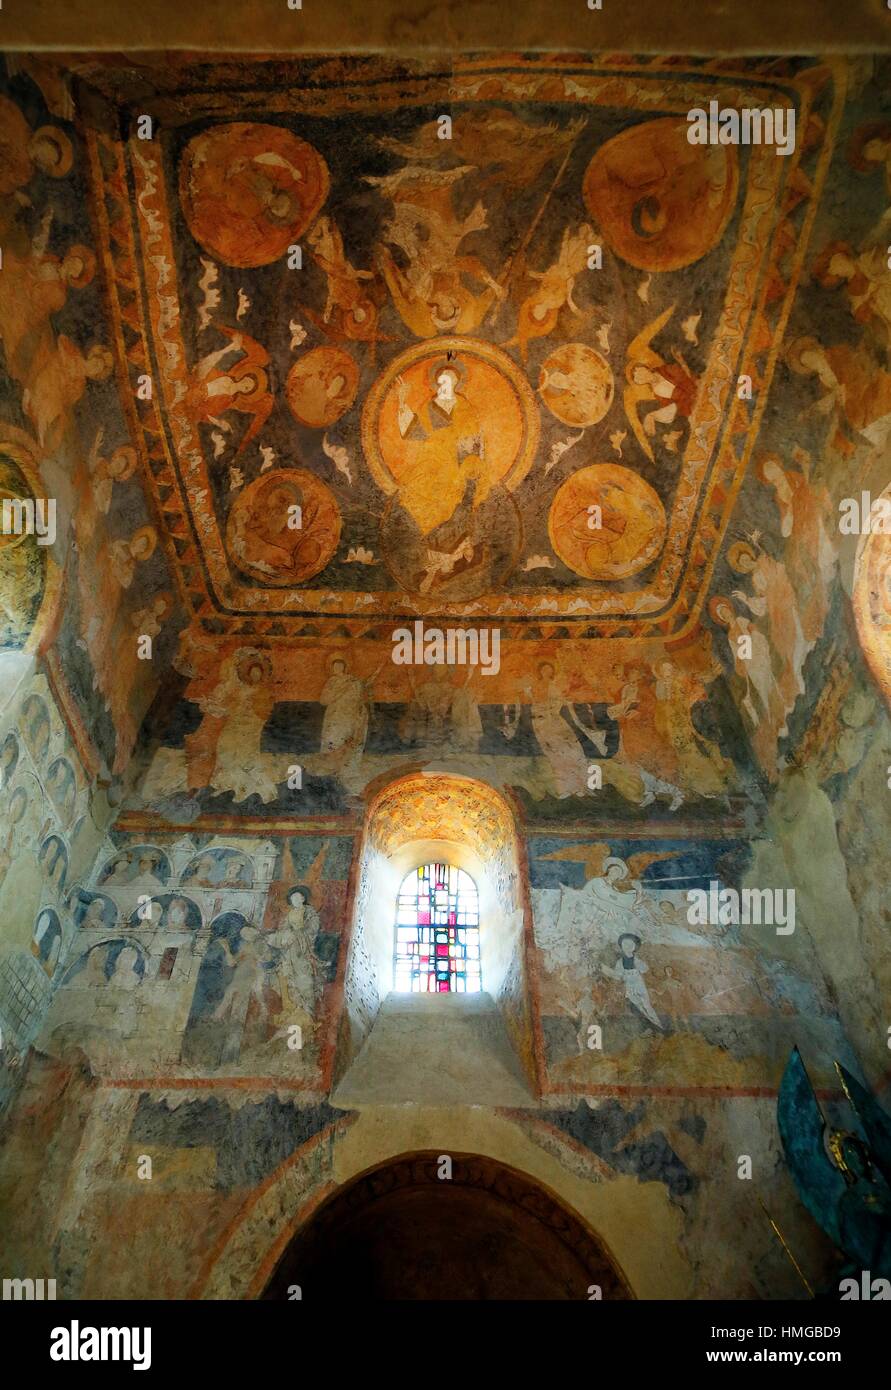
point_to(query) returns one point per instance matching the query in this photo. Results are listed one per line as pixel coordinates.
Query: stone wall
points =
(191, 1127)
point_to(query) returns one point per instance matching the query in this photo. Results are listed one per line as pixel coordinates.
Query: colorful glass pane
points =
(437, 932)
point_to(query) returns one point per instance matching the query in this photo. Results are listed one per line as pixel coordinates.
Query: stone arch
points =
(450, 1226)
(628, 1219)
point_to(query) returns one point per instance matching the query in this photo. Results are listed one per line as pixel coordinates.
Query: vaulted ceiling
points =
(312, 349)
(561, 241)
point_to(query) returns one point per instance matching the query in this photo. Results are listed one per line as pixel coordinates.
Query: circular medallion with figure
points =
(284, 527)
(606, 522)
(576, 384)
(660, 202)
(249, 190)
(445, 424)
(321, 386)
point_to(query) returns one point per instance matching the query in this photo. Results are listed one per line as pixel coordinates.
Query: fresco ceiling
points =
(293, 284)
(311, 350)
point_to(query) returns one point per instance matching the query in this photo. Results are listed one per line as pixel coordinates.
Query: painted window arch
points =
(437, 949)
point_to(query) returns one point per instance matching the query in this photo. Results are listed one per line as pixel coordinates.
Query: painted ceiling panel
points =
(312, 350)
(295, 283)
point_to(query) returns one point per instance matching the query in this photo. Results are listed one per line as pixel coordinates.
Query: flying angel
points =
(670, 385)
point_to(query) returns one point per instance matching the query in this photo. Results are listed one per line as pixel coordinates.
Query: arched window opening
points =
(437, 932)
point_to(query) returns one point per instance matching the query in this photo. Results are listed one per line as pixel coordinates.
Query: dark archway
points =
(401, 1231)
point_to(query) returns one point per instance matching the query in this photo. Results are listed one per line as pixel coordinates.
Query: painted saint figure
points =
(629, 971)
(149, 870)
(9, 757)
(698, 762)
(867, 280)
(467, 726)
(245, 1006)
(62, 787)
(773, 599)
(119, 872)
(856, 392)
(554, 722)
(59, 374)
(23, 152)
(300, 971)
(804, 509)
(446, 449)
(36, 726)
(762, 702)
(93, 972)
(100, 593)
(98, 913)
(351, 312)
(238, 707)
(119, 467)
(347, 700)
(34, 287)
(242, 386)
(202, 872)
(426, 720)
(47, 940)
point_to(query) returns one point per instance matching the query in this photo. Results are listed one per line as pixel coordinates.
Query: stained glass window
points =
(437, 932)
